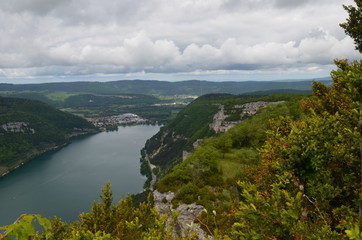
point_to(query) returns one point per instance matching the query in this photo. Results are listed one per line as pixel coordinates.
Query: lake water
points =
(66, 182)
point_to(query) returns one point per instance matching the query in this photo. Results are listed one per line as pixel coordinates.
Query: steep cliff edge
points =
(208, 177)
(204, 117)
(164, 150)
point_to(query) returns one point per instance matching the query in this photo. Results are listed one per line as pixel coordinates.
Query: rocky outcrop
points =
(153, 175)
(248, 109)
(185, 155)
(218, 120)
(17, 127)
(187, 213)
(251, 108)
(162, 201)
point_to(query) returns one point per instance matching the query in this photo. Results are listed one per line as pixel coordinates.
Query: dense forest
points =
(29, 128)
(156, 101)
(192, 124)
(161, 88)
(88, 105)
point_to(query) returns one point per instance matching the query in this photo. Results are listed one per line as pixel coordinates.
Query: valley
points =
(196, 161)
(181, 120)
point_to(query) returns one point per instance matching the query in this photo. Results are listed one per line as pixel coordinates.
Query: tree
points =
(353, 26)
(314, 164)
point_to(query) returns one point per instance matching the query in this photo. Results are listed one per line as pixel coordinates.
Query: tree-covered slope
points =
(191, 87)
(156, 101)
(210, 174)
(292, 171)
(29, 127)
(165, 148)
(194, 123)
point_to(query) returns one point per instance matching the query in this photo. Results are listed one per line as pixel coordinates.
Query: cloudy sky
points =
(63, 40)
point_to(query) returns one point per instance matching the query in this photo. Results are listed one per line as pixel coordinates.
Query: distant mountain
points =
(153, 87)
(29, 128)
(278, 91)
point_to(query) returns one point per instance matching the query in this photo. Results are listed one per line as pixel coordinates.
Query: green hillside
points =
(88, 105)
(157, 101)
(192, 124)
(29, 127)
(290, 171)
(162, 88)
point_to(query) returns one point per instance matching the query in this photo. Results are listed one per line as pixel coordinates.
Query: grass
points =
(230, 169)
(236, 161)
(59, 96)
(174, 113)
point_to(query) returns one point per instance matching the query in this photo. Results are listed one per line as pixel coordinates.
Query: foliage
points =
(353, 26)
(23, 228)
(165, 149)
(104, 221)
(153, 100)
(208, 176)
(123, 221)
(159, 88)
(313, 163)
(42, 128)
(298, 176)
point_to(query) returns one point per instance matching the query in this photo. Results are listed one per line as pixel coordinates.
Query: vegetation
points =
(353, 26)
(90, 105)
(301, 180)
(165, 149)
(104, 221)
(153, 100)
(209, 176)
(161, 88)
(310, 167)
(297, 174)
(38, 128)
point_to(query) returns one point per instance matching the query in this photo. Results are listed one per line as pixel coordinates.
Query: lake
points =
(66, 182)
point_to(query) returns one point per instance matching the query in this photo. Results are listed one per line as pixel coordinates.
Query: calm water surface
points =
(65, 182)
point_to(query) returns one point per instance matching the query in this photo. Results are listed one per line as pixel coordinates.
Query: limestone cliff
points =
(186, 214)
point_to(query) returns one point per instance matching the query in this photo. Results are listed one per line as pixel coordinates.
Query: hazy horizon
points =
(218, 40)
(164, 80)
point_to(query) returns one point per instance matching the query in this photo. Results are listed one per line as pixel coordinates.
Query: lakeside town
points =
(110, 122)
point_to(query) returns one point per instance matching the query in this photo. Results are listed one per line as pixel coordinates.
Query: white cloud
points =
(161, 36)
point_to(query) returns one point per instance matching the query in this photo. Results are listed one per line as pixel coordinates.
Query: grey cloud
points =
(99, 12)
(140, 53)
(235, 5)
(87, 37)
(293, 3)
(40, 7)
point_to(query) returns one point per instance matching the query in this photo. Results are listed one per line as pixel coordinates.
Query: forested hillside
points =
(293, 170)
(164, 88)
(156, 101)
(29, 127)
(197, 121)
(289, 172)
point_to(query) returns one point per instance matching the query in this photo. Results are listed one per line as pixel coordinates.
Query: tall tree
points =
(353, 26)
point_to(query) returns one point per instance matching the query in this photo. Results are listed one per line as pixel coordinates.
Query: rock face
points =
(162, 201)
(248, 109)
(185, 154)
(187, 213)
(251, 108)
(17, 127)
(218, 121)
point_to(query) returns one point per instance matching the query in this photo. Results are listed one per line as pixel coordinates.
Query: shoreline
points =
(4, 171)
